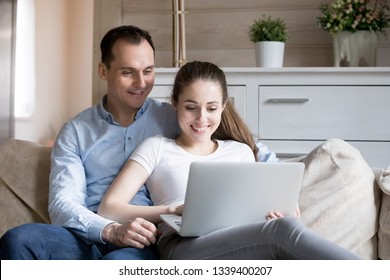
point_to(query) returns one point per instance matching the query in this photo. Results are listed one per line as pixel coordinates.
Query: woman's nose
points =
(201, 115)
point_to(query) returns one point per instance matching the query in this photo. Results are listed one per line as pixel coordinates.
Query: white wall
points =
(63, 48)
(81, 68)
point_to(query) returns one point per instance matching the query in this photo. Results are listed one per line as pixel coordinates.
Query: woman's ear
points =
(102, 71)
(224, 105)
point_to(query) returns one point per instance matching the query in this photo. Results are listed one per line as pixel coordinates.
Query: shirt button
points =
(129, 138)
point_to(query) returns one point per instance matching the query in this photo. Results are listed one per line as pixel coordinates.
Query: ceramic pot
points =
(269, 54)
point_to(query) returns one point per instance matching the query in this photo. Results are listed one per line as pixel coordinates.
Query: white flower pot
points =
(355, 49)
(269, 54)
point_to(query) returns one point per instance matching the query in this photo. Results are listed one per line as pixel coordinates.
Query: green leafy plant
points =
(354, 15)
(268, 29)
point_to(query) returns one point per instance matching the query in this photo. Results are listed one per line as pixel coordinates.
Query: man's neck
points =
(122, 117)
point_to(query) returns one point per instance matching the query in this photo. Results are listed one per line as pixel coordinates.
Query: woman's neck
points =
(197, 148)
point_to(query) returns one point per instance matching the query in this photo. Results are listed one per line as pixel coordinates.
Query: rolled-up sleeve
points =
(264, 154)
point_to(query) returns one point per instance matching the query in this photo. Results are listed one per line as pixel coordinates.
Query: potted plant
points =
(354, 26)
(269, 36)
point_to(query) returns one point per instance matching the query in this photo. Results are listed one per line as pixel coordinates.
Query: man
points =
(89, 152)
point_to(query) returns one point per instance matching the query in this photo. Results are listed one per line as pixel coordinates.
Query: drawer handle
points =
(288, 100)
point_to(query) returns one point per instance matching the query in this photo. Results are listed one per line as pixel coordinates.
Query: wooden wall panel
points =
(218, 30)
(147, 6)
(246, 57)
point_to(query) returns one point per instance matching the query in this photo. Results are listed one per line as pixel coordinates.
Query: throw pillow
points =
(338, 197)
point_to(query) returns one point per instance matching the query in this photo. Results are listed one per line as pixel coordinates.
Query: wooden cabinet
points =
(293, 110)
(317, 112)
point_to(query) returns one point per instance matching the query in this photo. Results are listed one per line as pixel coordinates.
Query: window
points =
(24, 60)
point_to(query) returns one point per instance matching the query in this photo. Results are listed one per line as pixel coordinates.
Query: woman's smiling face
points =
(199, 110)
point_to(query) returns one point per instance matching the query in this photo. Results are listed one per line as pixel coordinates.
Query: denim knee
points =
(130, 253)
(15, 240)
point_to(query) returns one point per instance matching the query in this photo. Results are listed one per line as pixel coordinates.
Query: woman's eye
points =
(190, 108)
(212, 109)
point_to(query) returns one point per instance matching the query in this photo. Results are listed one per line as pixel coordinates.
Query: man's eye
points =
(148, 72)
(127, 73)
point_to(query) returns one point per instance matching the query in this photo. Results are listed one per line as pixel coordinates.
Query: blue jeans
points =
(52, 242)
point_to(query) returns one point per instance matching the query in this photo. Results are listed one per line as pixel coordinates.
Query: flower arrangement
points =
(354, 15)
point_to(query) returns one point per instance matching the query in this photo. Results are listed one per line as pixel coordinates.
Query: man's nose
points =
(139, 80)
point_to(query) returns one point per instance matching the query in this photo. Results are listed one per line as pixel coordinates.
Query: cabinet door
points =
(356, 113)
(236, 95)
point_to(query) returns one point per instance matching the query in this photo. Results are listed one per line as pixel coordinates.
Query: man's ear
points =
(102, 71)
(174, 105)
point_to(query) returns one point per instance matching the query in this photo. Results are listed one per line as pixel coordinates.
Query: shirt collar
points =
(142, 110)
(110, 118)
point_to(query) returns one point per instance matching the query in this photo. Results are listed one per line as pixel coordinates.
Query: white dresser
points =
(293, 110)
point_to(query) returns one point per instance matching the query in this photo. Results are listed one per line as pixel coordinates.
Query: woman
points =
(210, 130)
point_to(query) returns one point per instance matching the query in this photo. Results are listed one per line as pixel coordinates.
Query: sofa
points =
(342, 198)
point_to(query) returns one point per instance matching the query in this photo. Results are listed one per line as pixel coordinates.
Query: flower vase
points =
(355, 49)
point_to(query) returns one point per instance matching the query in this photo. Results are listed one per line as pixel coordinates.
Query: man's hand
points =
(138, 233)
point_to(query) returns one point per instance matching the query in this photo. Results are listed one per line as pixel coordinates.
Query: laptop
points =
(226, 194)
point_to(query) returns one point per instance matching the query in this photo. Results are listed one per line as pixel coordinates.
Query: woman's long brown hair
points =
(232, 127)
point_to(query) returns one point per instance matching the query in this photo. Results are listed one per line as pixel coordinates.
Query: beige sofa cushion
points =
(384, 218)
(339, 197)
(24, 183)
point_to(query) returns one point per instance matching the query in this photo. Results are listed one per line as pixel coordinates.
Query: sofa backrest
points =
(24, 183)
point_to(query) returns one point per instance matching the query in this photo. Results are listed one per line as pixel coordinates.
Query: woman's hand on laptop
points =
(276, 215)
(297, 212)
(176, 209)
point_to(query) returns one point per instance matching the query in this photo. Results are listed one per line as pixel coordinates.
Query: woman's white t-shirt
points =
(168, 165)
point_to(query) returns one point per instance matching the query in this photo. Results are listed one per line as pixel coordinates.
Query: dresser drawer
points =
(322, 112)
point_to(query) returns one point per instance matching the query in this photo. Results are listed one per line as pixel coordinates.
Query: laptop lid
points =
(224, 194)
